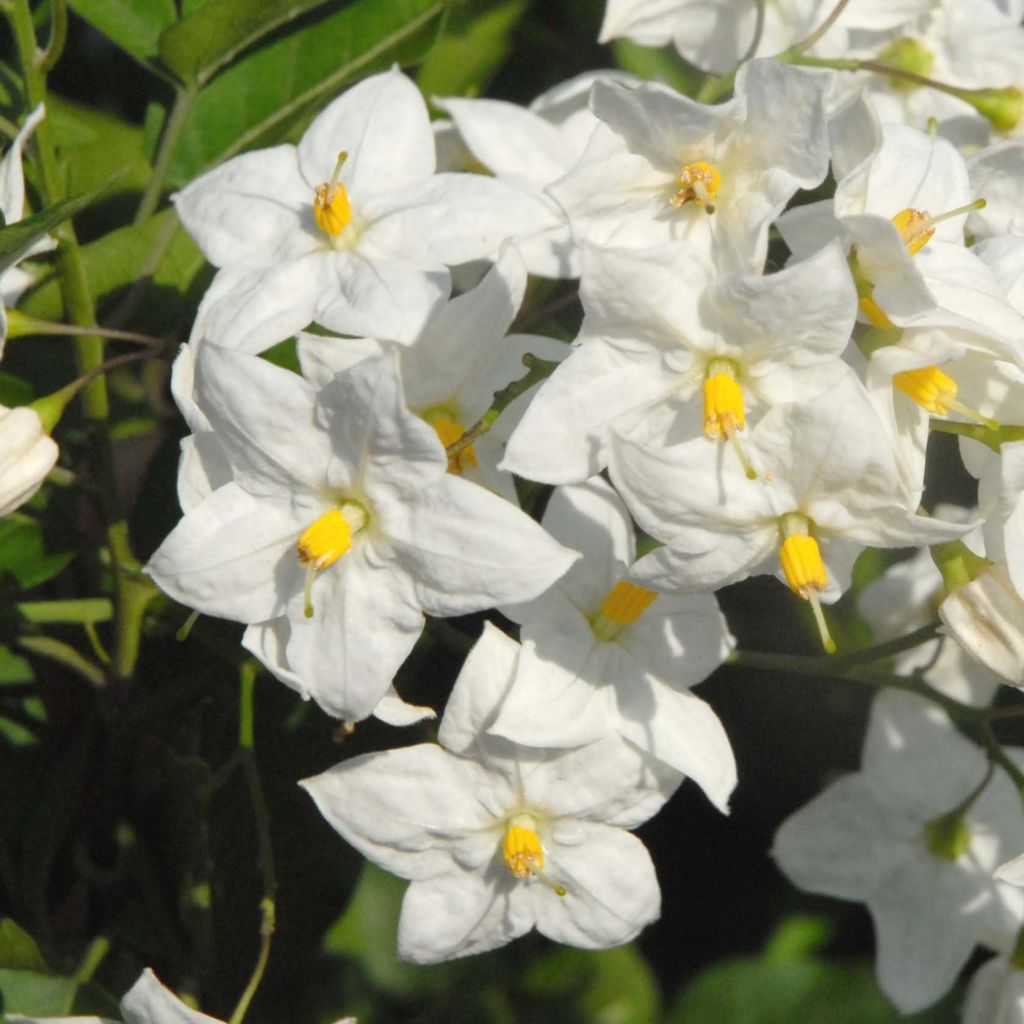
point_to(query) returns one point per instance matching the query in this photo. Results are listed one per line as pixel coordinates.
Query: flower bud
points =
(986, 618)
(1003, 108)
(27, 454)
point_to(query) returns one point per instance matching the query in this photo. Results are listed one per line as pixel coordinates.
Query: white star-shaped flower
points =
(497, 839)
(340, 528)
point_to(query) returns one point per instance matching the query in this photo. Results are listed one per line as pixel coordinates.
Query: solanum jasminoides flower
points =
(899, 836)
(497, 838)
(340, 528)
(601, 654)
(27, 454)
(828, 486)
(351, 229)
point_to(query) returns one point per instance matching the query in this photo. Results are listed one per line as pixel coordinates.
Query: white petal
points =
(148, 1002)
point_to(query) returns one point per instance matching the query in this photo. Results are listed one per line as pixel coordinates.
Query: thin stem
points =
(19, 326)
(85, 610)
(176, 122)
(89, 350)
(548, 309)
(265, 853)
(537, 370)
(47, 60)
(995, 439)
(807, 43)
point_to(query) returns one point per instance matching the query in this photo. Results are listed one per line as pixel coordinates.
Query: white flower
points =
(662, 331)
(891, 836)
(496, 838)
(986, 617)
(716, 34)
(451, 372)
(27, 454)
(532, 147)
(828, 487)
(601, 654)
(996, 993)
(340, 528)
(663, 167)
(358, 245)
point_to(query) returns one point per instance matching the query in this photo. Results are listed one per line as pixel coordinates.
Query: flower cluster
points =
(749, 417)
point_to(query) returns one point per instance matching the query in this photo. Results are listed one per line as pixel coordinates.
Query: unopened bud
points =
(1003, 108)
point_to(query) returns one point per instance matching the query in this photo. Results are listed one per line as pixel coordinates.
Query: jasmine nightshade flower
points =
(716, 34)
(452, 370)
(351, 228)
(670, 349)
(828, 487)
(15, 280)
(996, 992)
(532, 147)
(496, 838)
(601, 654)
(663, 167)
(340, 528)
(917, 835)
(27, 454)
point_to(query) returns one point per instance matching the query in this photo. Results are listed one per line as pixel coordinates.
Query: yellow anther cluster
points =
(521, 849)
(932, 389)
(699, 182)
(325, 541)
(802, 564)
(724, 411)
(331, 207)
(915, 227)
(626, 602)
(449, 431)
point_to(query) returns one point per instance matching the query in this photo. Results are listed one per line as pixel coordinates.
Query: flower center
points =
(450, 430)
(331, 207)
(916, 227)
(948, 836)
(699, 182)
(936, 393)
(522, 852)
(804, 569)
(624, 604)
(724, 411)
(325, 540)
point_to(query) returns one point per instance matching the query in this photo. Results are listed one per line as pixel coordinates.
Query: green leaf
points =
(35, 994)
(258, 99)
(13, 669)
(658, 65)
(195, 48)
(471, 50)
(367, 932)
(23, 553)
(15, 391)
(134, 25)
(15, 239)
(610, 986)
(93, 142)
(129, 254)
(18, 950)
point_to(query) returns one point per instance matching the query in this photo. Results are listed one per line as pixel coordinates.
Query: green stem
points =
(82, 610)
(995, 439)
(88, 348)
(20, 325)
(537, 370)
(94, 955)
(58, 36)
(265, 853)
(806, 44)
(176, 122)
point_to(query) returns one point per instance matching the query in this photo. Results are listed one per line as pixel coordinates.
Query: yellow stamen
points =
(331, 207)
(624, 604)
(936, 393)
(325, 540)
(523, 854)
(699, 182)
(874, 312)
(724, 410)
(449, 431)
(804, 570)
(916, 227)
